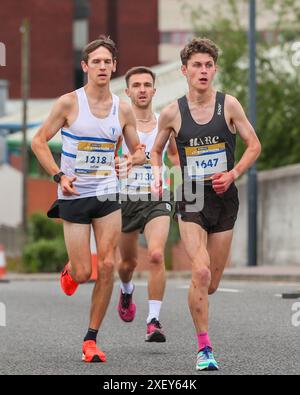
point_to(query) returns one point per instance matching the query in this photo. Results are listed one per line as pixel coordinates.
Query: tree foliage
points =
(278, 70)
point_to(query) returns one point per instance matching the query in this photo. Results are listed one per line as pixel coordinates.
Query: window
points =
(176, 37)
(80, 34)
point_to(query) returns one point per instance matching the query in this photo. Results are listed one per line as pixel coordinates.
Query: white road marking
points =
(224, 290)
(183, 287)
(140, 284)
(228, 290)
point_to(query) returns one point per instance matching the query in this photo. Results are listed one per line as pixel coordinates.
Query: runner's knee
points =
(156, 257)
(106, 266)
(202, 276)
(82, 275)
(128, 264)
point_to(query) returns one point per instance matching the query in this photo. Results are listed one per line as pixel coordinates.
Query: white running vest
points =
(141, 177)
(88, 151)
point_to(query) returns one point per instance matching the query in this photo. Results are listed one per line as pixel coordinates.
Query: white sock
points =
(127, 288)
(154, 310)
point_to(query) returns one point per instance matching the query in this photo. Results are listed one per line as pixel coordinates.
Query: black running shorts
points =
(83, 211)
(219, 212)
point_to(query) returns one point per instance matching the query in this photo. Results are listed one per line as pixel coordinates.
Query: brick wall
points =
(41, 195)
(16, 161)
(52, 62)
(138, 36)
(98, 18)
(133, 24)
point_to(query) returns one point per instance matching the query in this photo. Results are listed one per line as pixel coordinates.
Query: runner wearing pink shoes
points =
(140, 214)
(205, 123)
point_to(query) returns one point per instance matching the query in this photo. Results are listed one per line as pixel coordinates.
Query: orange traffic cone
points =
(94, 275)
(2, 262)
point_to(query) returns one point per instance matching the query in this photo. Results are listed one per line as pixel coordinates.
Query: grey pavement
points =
(258, 273)
(250, 325)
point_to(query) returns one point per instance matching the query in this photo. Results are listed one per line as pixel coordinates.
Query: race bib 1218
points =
(95, 159)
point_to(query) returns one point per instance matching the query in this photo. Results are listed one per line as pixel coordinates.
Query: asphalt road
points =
(251, 329)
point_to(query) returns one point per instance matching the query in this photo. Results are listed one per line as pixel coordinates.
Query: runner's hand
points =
(156, 188)
(67, 186)
(123, 166)
(222, 181)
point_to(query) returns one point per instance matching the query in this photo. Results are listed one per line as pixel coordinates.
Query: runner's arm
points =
(165, 128)
(248, 135)
(172, 151)
(221, 182)
(55, 121)
(47, 131)
(130, 135)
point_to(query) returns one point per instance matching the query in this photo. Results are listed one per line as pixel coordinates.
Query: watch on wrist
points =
(57, 177)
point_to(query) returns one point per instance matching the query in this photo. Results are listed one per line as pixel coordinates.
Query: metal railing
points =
(11, 239)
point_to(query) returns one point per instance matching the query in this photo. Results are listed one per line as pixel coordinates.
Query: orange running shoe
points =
(91, 353)
(68, 285)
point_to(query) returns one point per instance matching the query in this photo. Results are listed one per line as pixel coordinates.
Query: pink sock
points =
(203, 341)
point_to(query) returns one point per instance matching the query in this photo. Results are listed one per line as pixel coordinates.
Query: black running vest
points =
(210, 148)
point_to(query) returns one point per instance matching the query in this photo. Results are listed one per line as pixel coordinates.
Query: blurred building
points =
(146, 32)
(59, 31)
(176, 27)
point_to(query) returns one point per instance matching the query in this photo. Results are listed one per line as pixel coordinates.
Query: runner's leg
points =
(129, 255)
(195, 239)
(129, 261)
(218, 246)
(79, 253)
(156, 234)
(107, 233)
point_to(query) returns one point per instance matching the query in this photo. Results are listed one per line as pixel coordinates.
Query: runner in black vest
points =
(205, 123)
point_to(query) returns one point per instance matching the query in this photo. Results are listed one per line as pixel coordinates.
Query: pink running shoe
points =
(126, 308)
(155, 332)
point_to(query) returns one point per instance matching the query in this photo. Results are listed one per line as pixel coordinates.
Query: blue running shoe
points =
(206, 360)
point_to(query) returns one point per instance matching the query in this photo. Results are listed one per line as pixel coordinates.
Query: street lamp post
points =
(252, 175)
(25, 28)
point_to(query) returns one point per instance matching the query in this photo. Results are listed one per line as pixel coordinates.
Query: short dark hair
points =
(139, 70)
(102, 41)
(199, 45)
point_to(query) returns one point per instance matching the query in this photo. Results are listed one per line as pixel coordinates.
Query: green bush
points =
(45, 251)
(44, 256)
(278, 77)
(40, 227)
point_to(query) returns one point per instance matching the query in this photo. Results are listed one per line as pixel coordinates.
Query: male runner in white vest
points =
(91, 120)
(205, 123)
(139, 213)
